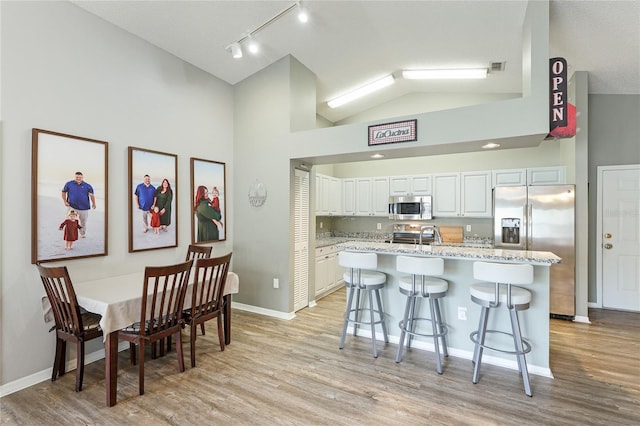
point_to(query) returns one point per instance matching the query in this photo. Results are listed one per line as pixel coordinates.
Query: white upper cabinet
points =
(546, 176)
(372, 196)
(530, 176)
(349, 197)
(446, 195)
(462, 194)
(410, 185)
(510, 177)
(328, 195)
(476, 194)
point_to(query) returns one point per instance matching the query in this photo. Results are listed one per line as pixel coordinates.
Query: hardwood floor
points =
(278, 372)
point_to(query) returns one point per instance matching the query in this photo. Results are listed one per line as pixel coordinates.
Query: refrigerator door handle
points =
(529, 226)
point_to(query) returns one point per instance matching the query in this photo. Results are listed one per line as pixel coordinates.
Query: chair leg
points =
(192, 344)
(62, 361)
(132, 353)
(373, 325)
(477, 353)
(79, 365)
(357, 311)
(346, 316)
(403, 328)
(141, 368)
(411, 324)
(220, 332)
(522, 362)
(179, 352)
(382, 321)
(56, 360)
(441, 328)
(202, 328)
(434, 330)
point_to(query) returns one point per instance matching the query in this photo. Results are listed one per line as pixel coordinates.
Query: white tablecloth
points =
(117, 299)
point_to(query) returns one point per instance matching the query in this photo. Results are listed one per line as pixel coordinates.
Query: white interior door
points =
(618, 251)
(301, 240)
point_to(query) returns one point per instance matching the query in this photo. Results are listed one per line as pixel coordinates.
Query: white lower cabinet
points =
(328, 271)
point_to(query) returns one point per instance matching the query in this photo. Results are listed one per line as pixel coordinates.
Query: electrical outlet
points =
(321, 224)
(462, 313)
(276, 283)
(468, 228)
(379, 226)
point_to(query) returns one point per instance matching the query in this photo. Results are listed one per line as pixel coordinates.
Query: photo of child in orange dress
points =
(155, 220)
(70, 226)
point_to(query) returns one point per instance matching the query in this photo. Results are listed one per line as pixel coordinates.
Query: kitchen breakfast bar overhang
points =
(458, 271)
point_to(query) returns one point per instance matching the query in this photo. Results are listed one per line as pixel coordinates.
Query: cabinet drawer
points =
(323, 251)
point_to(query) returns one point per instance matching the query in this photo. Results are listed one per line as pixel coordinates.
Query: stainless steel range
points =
(409, 233)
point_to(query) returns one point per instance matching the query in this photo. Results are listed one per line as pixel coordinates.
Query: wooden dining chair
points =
(163, 295)
(195, 252)
(207, 297)
(71, 324)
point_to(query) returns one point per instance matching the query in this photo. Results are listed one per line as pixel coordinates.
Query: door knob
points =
(608, 246)
(607, 235)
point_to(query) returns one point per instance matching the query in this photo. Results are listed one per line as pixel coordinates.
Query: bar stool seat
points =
(419, 285)
(360, 275)
(501, 292)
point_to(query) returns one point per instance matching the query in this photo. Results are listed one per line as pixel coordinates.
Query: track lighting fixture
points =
(236, 49)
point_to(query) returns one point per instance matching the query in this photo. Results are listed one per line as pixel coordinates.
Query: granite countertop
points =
(453, 252)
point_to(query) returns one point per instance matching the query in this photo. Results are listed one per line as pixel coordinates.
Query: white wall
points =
(67, 71)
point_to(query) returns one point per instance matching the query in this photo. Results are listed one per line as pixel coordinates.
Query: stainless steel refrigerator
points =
(541, 218)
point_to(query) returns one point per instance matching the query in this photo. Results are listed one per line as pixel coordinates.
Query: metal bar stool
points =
(360, 276)
(515, 299)
(419, 285)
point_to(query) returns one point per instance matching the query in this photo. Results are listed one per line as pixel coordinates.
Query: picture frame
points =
(69, 196)
(398, 131)
(205, 225)
(153, 182)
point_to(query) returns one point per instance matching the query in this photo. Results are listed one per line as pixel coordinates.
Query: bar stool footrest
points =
(474, 338)
(367, 315)
(413, 333)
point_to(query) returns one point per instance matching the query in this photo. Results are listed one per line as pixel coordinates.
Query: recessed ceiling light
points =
(491, 145)
(377, 156)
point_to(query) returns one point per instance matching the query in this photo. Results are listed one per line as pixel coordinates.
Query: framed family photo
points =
(209, 204)
(153, 194)
(68, 196)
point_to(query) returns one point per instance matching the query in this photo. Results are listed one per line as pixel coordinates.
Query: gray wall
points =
(614, 139)
(68, 71)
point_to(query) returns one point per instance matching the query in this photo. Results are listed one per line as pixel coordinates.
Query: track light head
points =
(235, 49)
(303, 15)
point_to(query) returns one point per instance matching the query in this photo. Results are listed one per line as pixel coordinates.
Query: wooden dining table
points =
(118, 299)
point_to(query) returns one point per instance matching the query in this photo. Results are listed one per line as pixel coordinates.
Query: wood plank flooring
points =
(278, 372)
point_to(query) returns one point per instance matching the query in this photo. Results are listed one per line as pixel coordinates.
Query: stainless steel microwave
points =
(410, 208)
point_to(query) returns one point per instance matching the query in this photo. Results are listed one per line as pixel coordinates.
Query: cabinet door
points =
(321, 274)
(335, 196)
(446, 195)
(399, 185)
(421, 184)
(338, 271)
(349, 196)
(363, 196)
(322, 194)
(476, 194)
(546, 176)
(510, 177)
(380, 196)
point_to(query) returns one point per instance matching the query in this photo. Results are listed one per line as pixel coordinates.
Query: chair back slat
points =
(195, 252)
(209, 284)
(163, 296)
(62, 298)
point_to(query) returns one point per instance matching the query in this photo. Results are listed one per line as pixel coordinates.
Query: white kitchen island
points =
(458, 271)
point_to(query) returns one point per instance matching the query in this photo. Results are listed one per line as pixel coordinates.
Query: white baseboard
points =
(263, 311)
(582, 319)
(43, 375)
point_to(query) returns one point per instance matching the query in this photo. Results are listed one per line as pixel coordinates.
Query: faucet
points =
(437, 237)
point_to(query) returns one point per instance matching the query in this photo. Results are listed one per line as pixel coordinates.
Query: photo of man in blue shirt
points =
(146, 198)
(78, 195)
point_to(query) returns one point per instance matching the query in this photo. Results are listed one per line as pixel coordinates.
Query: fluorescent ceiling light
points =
(469, 73)
(361, 91)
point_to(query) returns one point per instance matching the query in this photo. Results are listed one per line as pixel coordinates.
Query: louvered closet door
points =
(301, 244)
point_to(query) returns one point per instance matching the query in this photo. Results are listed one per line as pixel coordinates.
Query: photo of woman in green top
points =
(164, 198)
(207, 217)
